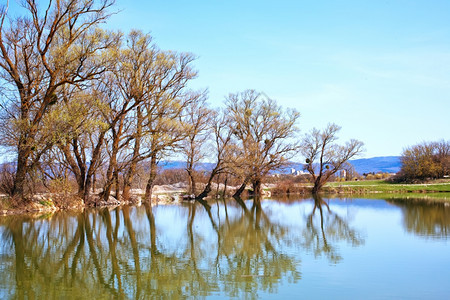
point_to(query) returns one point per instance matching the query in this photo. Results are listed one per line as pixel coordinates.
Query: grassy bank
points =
(431, 197)
(381, 186)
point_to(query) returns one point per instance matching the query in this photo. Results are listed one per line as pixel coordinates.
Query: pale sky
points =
(380, 69)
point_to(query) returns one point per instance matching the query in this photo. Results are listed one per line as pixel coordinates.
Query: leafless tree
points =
(223, 149)
(324, 157)
(197, 124)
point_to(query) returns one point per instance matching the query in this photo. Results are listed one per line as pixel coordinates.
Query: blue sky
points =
(380, 69)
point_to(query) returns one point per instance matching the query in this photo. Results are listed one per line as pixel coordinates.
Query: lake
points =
(347, 248)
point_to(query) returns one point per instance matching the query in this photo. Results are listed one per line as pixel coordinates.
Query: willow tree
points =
(198, 123)
(156, 81)
(265, 134)
(324, 157)
(40, 53)
(136, 76)
(165, 130)
(78, 122)
(222, 149)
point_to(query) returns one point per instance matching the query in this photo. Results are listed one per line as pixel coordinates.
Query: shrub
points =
(171, 176)
(6, 179)
(287, 187)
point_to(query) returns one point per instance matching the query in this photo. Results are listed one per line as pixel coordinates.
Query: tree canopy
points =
(427, 160)
(265, 133)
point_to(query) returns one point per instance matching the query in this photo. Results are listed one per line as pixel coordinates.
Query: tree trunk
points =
(317, 186)
(80, 183)
(91, 171)
(151, 180)
(21, 174)
(205, 192)
(128, 177)
(94, 182)
(117, 184)
(113, 160)
(126, 187)
(225, 186)
(190, 171)
(78, 166)
(257, 191)
(256, 183)
(87, 187)
(207, 188)
(109, 173)
(241, 189)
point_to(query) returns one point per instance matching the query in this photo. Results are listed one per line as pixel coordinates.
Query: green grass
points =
(441, 197)
(358, 183)
(381, 186)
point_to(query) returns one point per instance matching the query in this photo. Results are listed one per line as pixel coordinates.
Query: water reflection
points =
(326, 227)
(426, 219)
(230, 248)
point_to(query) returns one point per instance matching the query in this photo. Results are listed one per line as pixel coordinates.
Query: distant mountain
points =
(385, 164)
(178, 164)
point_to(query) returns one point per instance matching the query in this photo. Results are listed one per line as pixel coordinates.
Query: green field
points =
(381, 186)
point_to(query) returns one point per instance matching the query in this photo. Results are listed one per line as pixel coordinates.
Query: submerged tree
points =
(264, 131)
(324, 157)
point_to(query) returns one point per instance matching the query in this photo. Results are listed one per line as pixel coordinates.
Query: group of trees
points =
(78, 101)
(427, 160)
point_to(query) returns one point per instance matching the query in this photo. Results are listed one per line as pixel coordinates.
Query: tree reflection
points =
(328, 227)
(225, 247)
(426, 219)
(250, 261)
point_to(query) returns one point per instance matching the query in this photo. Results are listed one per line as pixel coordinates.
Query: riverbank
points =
(382, 186)
(43, 204)
(47, 203)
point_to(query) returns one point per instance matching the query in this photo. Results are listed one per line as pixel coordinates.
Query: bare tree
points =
(265, 135)
(197, 124)
(223, 150)
(324, 157)
(425, 160)
(41, 53)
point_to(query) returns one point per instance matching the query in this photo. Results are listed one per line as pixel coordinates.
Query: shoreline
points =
(43, 204)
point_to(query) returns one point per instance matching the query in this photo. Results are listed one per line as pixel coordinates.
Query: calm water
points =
(323, 248)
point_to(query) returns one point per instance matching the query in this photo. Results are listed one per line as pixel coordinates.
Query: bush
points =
(61, 186)
(6, 179)
(171, 176)
(287, 187)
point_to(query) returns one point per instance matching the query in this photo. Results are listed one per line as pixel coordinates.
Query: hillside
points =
(385, 164)
(389, 164)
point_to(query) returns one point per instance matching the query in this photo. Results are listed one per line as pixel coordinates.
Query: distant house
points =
(298, 172)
